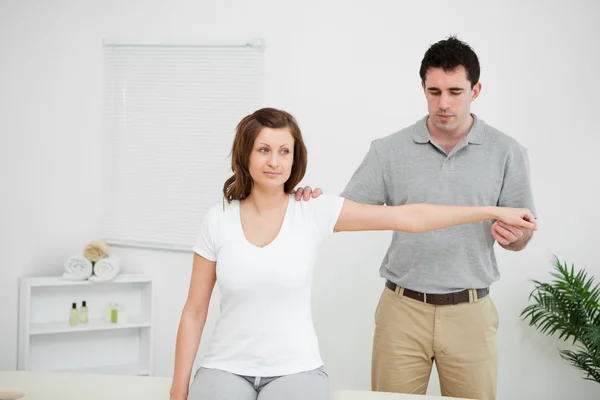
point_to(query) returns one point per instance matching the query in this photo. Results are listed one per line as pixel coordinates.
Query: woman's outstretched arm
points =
(415, 218)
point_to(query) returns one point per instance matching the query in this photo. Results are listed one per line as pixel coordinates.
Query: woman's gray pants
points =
(214, 384)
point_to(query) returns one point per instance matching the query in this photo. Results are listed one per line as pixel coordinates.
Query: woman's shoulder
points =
(222, 209)
(319, 204)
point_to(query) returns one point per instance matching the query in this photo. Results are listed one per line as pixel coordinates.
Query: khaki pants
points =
(410, 335)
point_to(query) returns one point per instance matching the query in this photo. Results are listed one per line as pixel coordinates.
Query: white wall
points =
(349, 72)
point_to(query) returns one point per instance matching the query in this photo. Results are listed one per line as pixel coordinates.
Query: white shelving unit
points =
(48, 343)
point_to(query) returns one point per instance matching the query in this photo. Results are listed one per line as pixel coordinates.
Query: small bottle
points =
(83, 313)
(74, 316)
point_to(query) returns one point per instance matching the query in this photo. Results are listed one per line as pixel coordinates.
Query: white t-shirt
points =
(265, 327)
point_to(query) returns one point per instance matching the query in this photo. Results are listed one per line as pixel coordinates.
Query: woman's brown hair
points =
(238, 186)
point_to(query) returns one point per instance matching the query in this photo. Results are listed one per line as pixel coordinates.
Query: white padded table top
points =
(74, 386)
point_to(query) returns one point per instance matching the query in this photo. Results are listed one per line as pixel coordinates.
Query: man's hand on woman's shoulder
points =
(307, 193)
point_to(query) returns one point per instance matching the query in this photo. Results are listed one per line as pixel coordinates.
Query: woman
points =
(260, 246)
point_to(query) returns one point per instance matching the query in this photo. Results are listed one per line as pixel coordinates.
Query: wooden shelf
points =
(48, 343)
(92, 325)
(52, 281)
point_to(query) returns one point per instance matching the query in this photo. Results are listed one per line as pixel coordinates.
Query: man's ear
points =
(475, 91)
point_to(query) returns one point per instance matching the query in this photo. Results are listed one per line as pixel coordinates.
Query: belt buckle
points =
(424, 297)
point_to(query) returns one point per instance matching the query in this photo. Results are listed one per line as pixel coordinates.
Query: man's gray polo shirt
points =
(485, 168)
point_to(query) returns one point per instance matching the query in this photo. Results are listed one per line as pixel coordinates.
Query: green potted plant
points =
(568, 306)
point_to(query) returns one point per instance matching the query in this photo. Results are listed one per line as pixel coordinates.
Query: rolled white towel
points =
(106, 269)
(77, 268)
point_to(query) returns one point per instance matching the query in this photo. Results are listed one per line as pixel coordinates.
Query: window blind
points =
(170, 117)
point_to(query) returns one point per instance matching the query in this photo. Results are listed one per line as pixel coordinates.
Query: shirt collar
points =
(476, 135)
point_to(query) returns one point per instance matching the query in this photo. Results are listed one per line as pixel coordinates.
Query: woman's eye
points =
(263, 150)
(285, 151)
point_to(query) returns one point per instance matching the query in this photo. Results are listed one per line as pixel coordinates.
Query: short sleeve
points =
(516, 188)
(367, 185)
(206, 241)
(325, 211)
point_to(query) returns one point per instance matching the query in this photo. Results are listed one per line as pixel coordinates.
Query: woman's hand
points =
(519, 217)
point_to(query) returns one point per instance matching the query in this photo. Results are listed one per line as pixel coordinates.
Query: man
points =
(435, 304)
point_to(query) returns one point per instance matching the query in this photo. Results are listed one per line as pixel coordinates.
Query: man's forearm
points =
(520, 243)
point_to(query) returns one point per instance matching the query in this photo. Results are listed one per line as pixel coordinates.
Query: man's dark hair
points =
(450, 54)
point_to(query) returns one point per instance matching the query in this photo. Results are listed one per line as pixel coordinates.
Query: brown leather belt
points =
(439, 299)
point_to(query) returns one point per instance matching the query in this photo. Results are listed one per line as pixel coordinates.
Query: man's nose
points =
(443, 102)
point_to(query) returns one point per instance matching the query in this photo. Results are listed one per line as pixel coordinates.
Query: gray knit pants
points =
(214, 384)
